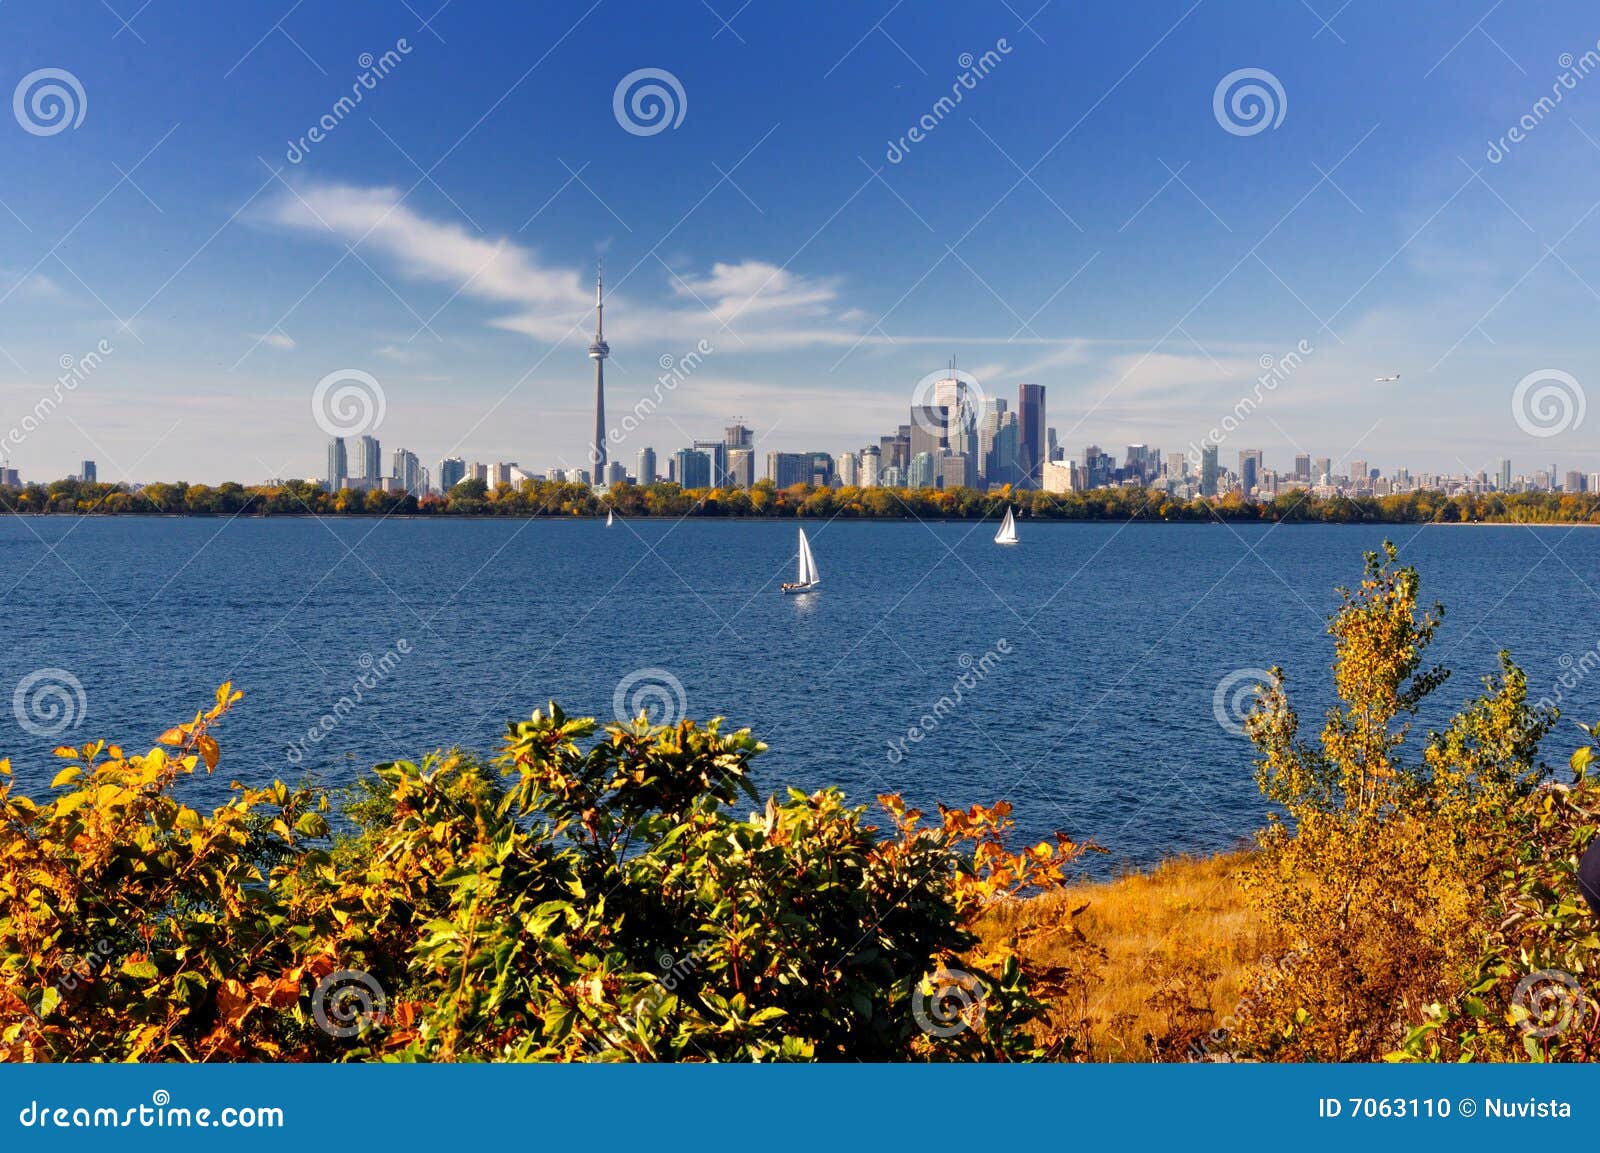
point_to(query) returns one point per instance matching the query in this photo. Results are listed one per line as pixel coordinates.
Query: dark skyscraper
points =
(929, 425)
(1208, 470)
(598, 351)
(1030, 434)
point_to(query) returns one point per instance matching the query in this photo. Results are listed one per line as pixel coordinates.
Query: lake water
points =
(1094, 714)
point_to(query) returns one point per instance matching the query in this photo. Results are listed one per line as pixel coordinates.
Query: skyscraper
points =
(452, 471)
(1250, 469)
(89, 473)
(1030, 434)
(956, 471)
(736, 435)
(1322, 470)
(871, 471)
(961, 414)
(895, 451)
(598, 351)
(1302, 467)
(369, 457)
(920, 474)
(1208, 470)
(407, 470)
(717, 452)
(847, 470)
(338, 464)
(1505, 475)
(741, 467)
(929, 424)
(694, 468)
(992, 470)
(788, 468)
(1000, 466)
(647, 465)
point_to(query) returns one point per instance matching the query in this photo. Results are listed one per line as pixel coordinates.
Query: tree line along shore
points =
(667, 499)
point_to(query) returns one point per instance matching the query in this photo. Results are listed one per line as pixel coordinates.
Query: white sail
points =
(1008, 530)
(808, 564)
(610, 518)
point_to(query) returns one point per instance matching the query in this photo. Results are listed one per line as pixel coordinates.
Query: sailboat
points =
(808, 577)
(611, 518)
(1008, 529)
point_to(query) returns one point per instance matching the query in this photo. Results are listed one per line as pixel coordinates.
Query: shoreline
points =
(1030, 520)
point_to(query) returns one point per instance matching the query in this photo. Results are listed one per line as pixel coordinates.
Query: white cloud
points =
(751, 303)
(274, 338)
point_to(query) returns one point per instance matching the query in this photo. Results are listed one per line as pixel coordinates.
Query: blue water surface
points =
(1100, 646)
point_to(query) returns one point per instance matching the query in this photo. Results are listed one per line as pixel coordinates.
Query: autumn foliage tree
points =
(589, 895)
(1378, 866)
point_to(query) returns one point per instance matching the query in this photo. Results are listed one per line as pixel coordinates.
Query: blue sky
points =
(1082, 219)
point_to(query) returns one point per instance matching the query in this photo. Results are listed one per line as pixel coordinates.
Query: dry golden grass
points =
(1178, 947)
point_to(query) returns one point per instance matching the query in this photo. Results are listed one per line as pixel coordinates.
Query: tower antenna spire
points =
(598, 351)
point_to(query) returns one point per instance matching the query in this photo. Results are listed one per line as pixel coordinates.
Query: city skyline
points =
(1385, 223)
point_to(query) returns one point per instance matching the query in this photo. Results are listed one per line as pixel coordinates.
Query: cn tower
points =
(598, 351)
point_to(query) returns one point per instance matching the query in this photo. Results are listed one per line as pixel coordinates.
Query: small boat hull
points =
(796, 590)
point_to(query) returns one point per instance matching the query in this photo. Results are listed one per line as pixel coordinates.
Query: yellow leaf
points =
(209, 750)
(66, 776)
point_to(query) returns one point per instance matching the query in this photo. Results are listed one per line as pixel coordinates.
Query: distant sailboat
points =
(1008, 529)
(611, 518)
(808, 577)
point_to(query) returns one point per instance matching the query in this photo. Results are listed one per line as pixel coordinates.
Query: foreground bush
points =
(594, 898)
(1437, 891)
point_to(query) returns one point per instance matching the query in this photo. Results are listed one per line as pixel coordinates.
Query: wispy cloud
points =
(752, 304)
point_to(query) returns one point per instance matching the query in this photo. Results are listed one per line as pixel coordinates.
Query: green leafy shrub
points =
(594, 898)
